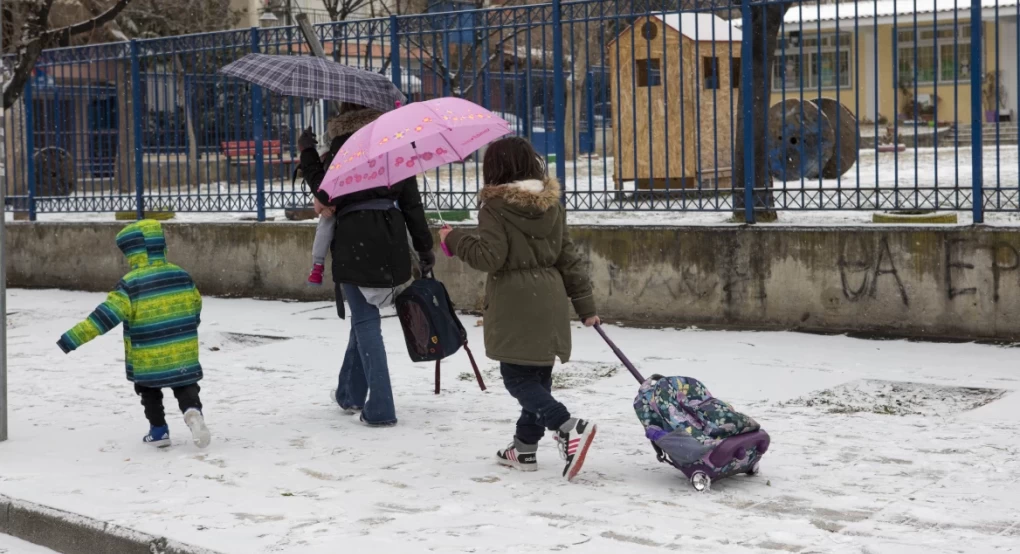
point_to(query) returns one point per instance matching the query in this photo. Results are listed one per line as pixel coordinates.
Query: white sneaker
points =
(348, 411)
(199, 432)
(574, 445)
(511, 456)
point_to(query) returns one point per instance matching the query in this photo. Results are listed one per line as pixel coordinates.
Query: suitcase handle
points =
(619, 354)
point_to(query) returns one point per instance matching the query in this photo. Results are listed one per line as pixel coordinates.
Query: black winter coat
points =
(369, 247)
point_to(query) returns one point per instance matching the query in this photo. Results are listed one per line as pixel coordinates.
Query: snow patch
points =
(899, 398)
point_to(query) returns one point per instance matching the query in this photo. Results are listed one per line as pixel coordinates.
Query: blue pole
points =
(977, 186)
(256, 115)
(30, 148)
(590, 110)
(447, 85)
(559, 98)
(747, 105)
(136, 123)
(486, 101)
(395, 54)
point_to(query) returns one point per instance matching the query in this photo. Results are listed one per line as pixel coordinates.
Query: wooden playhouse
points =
(675, 85)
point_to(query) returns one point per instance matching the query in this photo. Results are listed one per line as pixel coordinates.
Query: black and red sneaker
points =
(574, 443)
(519, 456)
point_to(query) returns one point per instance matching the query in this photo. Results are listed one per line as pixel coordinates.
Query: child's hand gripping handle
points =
(443, 232)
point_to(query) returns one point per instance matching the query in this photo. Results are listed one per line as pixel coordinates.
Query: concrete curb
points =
(69, 533)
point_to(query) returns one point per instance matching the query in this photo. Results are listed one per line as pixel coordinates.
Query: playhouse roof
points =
(702, 27)
(699, 27)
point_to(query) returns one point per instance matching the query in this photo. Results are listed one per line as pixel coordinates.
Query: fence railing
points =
(880, 105)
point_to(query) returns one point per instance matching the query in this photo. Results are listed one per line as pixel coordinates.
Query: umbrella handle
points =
(619, 354)
(446, 250)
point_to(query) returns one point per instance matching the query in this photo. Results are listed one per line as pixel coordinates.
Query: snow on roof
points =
(702, 26)
(881, 9)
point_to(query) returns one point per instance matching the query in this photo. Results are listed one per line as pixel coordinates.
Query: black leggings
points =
(152, 400)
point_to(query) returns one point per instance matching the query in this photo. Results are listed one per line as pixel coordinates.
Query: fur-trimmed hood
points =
(532, 193)
(349, 122)
(532, 206)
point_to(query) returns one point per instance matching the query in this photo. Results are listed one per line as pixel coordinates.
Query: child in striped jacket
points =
(160, 308)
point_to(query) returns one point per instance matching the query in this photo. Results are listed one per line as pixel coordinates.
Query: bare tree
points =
(460, 65)
(765, 25)
(341, 10)
(166, 18)
(37, 35)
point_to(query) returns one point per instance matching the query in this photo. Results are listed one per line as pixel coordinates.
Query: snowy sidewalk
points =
(11, 545)
(287, 472)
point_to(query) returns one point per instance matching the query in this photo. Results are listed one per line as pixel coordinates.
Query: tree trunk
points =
(189, 122)
(125, 177)
(575, 92)
(766, 22)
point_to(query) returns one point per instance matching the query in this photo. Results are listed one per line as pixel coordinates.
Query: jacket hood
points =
(532, 206)
(143, 243)
(349, 122)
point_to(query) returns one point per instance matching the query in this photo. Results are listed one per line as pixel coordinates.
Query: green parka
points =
(533, 267)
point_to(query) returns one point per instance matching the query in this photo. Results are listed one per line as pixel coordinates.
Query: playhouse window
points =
(735, 73)
(710, 72)
(648, 74)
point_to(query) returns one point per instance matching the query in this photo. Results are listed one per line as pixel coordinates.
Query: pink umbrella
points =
(411, 140)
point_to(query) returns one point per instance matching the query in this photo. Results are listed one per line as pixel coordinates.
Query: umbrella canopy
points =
(318, 78)
(411, 140)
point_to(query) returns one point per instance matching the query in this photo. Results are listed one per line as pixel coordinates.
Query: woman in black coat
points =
(371, 260)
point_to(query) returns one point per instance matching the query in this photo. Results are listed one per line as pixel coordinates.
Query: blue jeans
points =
(532, 387)
(364, 373)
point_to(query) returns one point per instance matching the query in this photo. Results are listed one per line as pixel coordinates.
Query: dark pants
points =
(152, 400)
(532, 387)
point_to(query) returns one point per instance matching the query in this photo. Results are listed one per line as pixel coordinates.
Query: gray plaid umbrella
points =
(311, 77)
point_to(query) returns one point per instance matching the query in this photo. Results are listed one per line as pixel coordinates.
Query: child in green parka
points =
(533, 270)
(160, 308)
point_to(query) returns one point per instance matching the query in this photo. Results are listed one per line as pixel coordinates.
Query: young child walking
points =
(160, 308)
(533, 269)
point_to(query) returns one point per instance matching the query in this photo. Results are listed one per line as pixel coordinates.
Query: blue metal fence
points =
(880, 105)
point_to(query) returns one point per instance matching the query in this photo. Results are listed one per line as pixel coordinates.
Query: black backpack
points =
(432, 329)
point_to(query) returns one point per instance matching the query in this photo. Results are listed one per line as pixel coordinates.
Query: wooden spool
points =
(54, 172)
(844, 154)
(801, 140)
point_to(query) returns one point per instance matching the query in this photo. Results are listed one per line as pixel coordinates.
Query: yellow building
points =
(879, 58)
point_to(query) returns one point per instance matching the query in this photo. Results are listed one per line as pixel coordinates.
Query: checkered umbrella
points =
(311, 77)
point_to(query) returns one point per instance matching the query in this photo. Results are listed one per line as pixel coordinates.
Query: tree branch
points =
(89, 25)
(36, 36)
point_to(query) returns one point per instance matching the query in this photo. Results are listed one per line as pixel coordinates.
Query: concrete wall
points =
(935, 282)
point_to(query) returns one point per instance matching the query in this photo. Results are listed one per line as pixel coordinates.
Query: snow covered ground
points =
(11, 545)
(857, 464)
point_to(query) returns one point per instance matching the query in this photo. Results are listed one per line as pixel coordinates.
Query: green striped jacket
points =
(160, 308)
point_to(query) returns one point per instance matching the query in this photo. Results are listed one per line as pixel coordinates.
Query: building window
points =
(930, 53)
(710, 72)
(648, 74)
(812, 62)
(735, 73)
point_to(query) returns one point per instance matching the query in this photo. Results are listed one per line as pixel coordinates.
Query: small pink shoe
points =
(315, 277)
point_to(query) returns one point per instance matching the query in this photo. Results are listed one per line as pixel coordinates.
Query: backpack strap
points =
(474, 366)
(437, 375)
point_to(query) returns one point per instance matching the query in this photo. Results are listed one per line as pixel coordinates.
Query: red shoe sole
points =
(576, 468)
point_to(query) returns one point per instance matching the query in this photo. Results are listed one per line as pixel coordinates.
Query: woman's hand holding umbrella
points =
(307, 140)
